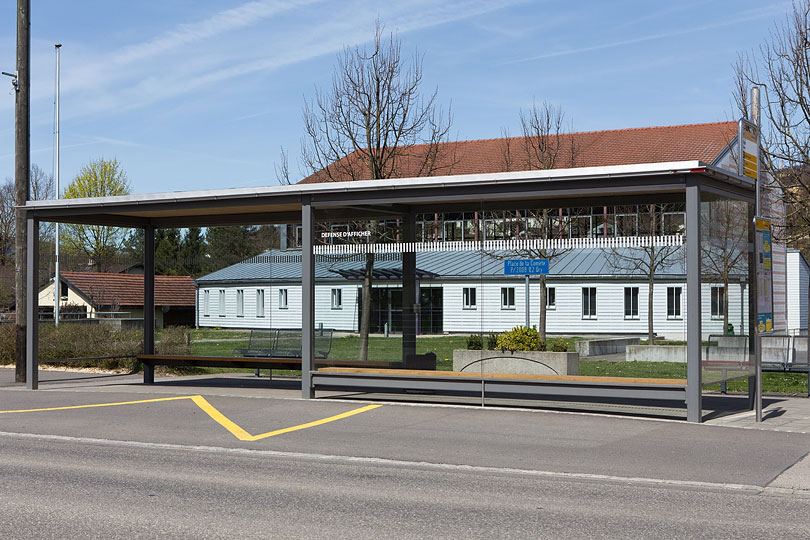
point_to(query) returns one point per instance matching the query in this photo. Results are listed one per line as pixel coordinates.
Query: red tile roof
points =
(127, 289)
(703, 142)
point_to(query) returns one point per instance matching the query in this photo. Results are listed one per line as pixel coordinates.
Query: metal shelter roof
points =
(588, 186)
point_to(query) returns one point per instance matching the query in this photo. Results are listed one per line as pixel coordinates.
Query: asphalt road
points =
(240, 463)
(74, 489)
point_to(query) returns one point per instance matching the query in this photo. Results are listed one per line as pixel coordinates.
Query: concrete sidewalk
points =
(780, 412)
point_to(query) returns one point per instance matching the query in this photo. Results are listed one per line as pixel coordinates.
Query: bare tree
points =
(41, 187)
(646, 260)
(373, 123)
(724, 244)
(283, 169)
(782, 66)
(544, 145)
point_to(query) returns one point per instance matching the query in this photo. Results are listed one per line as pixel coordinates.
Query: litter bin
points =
(730, 329)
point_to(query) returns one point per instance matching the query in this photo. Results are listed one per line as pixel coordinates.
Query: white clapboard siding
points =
(488, 315)
(798, 279)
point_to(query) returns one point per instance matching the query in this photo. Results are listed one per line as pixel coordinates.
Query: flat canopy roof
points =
(591, 186)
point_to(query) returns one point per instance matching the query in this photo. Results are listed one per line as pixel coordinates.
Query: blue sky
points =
(203, 94)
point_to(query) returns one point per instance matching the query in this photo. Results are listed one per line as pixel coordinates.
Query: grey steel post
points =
(148, 300)
(32, 301)
(693, 310)
(307, 297)
(410, 291)
(753, 342)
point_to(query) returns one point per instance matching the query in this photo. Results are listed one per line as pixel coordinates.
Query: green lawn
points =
(390, 350)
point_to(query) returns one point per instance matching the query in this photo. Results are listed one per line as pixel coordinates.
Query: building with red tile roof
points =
(108, 292)
(703, 142)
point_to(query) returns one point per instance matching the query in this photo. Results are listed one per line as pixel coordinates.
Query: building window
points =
(551, 298)
(222, 302)
(240, 303)
(588, 302)
(631, 302)
(718, 302)
(282, 299)
(63, 292)
(260, 302)
(206, 303)
(337, 299)
(507, 298)
(674, 302)
(469, 298)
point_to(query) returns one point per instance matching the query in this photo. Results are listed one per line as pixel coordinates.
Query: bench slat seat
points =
(370, 379)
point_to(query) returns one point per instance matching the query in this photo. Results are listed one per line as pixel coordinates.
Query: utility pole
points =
(22, 171)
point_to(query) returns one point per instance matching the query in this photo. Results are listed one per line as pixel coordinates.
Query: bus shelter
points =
(405, 260)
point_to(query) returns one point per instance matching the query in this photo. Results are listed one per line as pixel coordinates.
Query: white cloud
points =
(235, 43)
(751, 15)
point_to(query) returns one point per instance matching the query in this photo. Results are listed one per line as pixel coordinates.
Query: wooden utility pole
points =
(22, 168)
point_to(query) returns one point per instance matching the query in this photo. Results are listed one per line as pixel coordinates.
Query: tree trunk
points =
(541, 327)
(365, 313)
(725, 306)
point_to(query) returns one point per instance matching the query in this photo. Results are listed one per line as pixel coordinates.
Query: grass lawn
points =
(390, 350)
(780, 383)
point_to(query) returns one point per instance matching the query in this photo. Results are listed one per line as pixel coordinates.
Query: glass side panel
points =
(727, 348)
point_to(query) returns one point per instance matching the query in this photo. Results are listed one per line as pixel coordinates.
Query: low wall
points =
(518, 362)
(656, 353)
(594, 347)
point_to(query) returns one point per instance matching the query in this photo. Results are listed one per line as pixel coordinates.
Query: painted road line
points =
(243, 435)
(235, 429)
(96, 405)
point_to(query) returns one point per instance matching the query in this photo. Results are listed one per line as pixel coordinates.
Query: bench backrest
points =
(286, 343)
(263, 339)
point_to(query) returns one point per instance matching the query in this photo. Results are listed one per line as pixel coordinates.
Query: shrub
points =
(492, 342)
(174, 340)
(87, 340)
(557, 345)
(475, 342)
(8, 342)
(519, 338)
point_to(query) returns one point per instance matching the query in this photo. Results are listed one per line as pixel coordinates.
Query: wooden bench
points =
(381, 379)
(256, 362)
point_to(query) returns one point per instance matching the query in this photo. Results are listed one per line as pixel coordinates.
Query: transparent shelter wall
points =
(94, 329)
(727, 349)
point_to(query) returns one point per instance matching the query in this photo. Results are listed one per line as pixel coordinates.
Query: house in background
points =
(798, 280)
(123, 293)
(464, 291)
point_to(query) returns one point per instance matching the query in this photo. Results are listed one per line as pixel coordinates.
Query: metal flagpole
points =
(57, 286)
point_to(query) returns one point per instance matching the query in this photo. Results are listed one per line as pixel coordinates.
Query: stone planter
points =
(518, 362)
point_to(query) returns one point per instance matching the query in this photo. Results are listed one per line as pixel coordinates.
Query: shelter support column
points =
(410, 291)
(148, 300)
(32, 303)
(693, 310)
(307, 297)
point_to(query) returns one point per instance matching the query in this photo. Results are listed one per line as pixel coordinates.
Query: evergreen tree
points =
(228, 245)
(192, 251)
(167, 252)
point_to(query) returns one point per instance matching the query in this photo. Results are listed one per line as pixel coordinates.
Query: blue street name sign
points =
(525, 267)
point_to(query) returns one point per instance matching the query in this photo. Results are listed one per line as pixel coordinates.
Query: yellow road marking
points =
(221, 419)
(235, 429)
(96, 405)
(315, 423)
